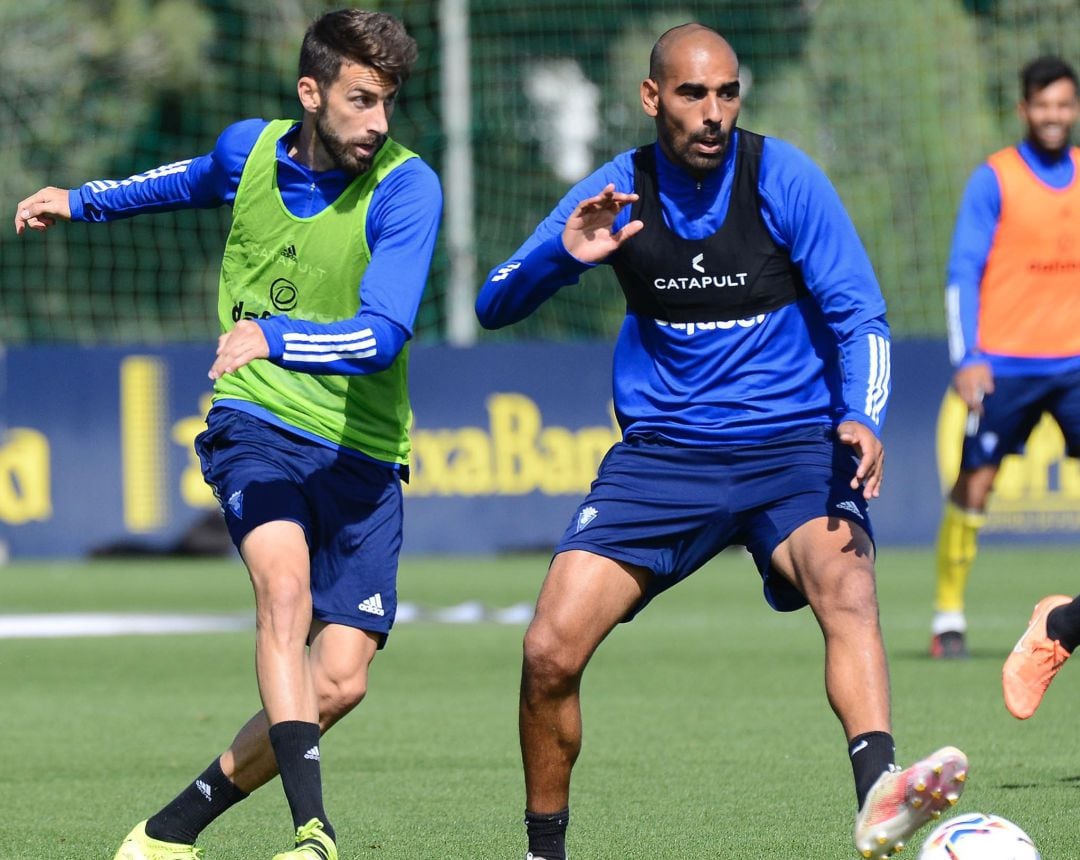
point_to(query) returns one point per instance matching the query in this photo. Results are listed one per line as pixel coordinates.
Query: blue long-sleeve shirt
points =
(973, 238)
(402, 225)
(821, 360)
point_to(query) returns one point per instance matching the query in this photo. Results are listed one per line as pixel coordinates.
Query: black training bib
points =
(736, 273)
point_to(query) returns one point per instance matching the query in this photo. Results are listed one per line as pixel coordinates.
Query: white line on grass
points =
(71, 624)
(63, 624)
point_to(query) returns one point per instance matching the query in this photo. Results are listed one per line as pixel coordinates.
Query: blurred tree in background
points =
(898, 102)
(897, 123)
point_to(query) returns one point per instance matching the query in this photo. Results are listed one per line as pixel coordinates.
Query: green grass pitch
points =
(707, 732)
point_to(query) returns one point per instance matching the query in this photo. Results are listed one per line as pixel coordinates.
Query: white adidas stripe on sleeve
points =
(877, 389)
(99, 185)
(328, 338)
(323, 348)
(953, 325)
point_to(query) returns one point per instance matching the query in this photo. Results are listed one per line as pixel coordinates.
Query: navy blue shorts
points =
(1013, 410)
(348, 506)
(671, 509)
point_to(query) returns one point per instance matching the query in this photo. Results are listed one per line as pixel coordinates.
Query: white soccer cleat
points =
(902, 801)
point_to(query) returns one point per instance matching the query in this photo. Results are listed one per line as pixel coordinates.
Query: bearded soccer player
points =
(1013, 311)
(333, 229)
(751, 378)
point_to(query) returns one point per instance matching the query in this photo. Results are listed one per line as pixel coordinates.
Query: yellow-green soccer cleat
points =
(312, 843)
(138, 846)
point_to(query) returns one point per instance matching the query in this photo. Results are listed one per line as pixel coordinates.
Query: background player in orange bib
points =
(1013, 312)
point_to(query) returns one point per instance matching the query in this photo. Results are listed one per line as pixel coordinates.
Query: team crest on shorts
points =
(236, 504)
(586, 516)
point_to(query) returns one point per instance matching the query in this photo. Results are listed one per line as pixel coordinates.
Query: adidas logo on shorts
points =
(851, 507)
(373, 605)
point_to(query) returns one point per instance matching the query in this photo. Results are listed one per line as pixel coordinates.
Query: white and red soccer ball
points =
(978, 836)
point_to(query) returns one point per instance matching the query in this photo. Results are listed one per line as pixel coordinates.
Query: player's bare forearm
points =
(42, 209)
(242, 345)
(871, 454)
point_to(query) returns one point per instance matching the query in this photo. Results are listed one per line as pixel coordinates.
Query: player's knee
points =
(339, 696)
(282, 601)
(847, 590)
(972, 488)
(549, 660)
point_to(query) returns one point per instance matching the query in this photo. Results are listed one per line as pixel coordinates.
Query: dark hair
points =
(1041, 72)
(374, 39)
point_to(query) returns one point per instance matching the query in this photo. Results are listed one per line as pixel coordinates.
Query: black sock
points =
(1063, 624)
(871, 755)
(547, 834)
(195, 807)
(296, 747)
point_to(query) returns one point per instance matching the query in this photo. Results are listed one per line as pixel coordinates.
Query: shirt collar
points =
(670, 173)
(1034, 154)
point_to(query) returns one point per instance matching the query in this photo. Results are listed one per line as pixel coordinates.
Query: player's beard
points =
(341, 152)
(701, 162)
(680, 146)
(1038, 139)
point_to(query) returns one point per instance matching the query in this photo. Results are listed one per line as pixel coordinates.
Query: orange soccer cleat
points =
(1034, 661)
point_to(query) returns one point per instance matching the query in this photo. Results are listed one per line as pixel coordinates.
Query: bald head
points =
(692, 93)
(685, 37)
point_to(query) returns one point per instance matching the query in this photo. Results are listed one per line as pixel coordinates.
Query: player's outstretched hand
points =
(42, 209)
(244, 343)
(871, 454)
(587, 235)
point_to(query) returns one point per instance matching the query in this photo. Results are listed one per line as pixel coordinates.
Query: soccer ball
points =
(978, 836)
